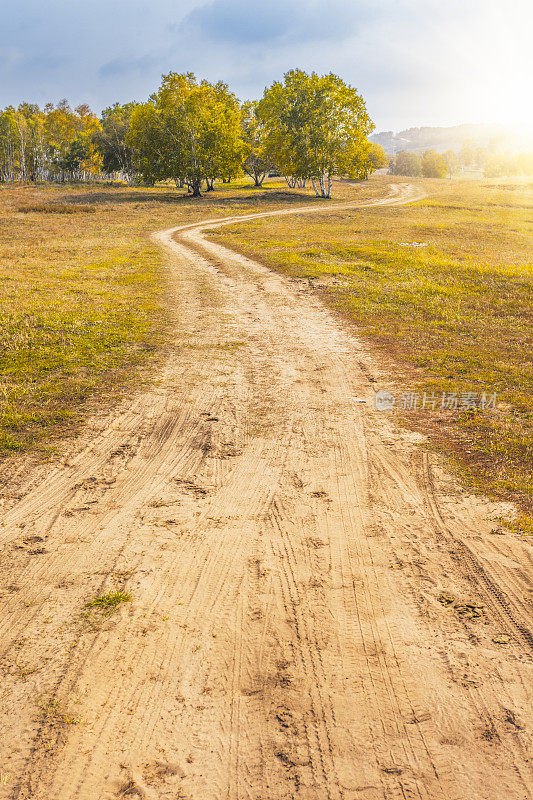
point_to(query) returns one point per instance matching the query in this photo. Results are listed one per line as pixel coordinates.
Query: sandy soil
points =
(285, 547)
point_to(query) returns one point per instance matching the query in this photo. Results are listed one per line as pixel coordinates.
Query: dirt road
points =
(289, 555)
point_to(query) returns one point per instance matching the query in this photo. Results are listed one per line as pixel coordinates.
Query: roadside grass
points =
(83, 307)
(444, 286)
(79, 313)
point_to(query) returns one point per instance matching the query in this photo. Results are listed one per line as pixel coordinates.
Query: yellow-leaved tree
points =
(316, 126)
(189, 131)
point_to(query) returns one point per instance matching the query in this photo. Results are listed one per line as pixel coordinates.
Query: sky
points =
(416, 62)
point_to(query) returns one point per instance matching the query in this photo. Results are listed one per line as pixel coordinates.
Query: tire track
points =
(497, 596)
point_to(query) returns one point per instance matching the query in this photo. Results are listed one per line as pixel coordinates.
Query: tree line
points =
(307, 127)
(429, 164)
(492, 161)
(54, 143)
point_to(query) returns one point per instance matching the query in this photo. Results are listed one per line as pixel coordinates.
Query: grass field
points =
(80, 294)
(444, 286)
(82, 300)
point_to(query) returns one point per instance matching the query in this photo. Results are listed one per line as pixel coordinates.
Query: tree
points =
(69, 134)
(146, 140)
(524, 164)
(377, 156)
(406, 163)
(8, 145)
(189, 132)
(467, 154)
(34, 157)
(452, 162)
(255, 164)
(481, 155)
(74, 156)
(495, 167)
(499, 165)
(225, 140)
(433, 165)
(316, 127)
(110, 141)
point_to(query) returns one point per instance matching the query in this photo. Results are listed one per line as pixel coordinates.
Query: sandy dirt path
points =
(285, 547)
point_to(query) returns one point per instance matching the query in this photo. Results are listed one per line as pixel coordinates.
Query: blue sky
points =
(434, 62)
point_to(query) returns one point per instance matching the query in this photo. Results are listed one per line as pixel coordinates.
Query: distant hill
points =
(441, 139)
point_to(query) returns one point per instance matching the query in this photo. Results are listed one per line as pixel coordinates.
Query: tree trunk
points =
(322, 186)
(195, 187)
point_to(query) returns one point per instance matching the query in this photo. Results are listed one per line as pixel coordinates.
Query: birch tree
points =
(316, 127)
(190, 132)
(256, 163)
(8, 145)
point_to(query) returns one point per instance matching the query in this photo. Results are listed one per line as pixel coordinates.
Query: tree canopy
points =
(434, 165)
(190, 132)
(110, 139)
(316, 126)
(429, 164)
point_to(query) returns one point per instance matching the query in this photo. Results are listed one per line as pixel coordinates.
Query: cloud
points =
(278, 21)
(125, 66)
(237, 22)
(414, 61)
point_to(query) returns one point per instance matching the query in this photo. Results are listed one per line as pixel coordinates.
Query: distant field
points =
(82, 302)
(445, 287)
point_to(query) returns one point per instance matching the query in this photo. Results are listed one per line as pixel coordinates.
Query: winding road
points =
(289, 555)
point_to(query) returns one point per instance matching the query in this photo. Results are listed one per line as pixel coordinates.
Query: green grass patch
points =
(68, 332)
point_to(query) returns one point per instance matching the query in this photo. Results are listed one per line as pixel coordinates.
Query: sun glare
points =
(500, 58)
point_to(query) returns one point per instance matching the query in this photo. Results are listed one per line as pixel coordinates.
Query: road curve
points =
(288, 553)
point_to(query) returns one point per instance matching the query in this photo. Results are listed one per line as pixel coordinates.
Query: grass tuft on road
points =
(109, 602)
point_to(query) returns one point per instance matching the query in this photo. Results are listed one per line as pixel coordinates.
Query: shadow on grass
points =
(175, 198)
